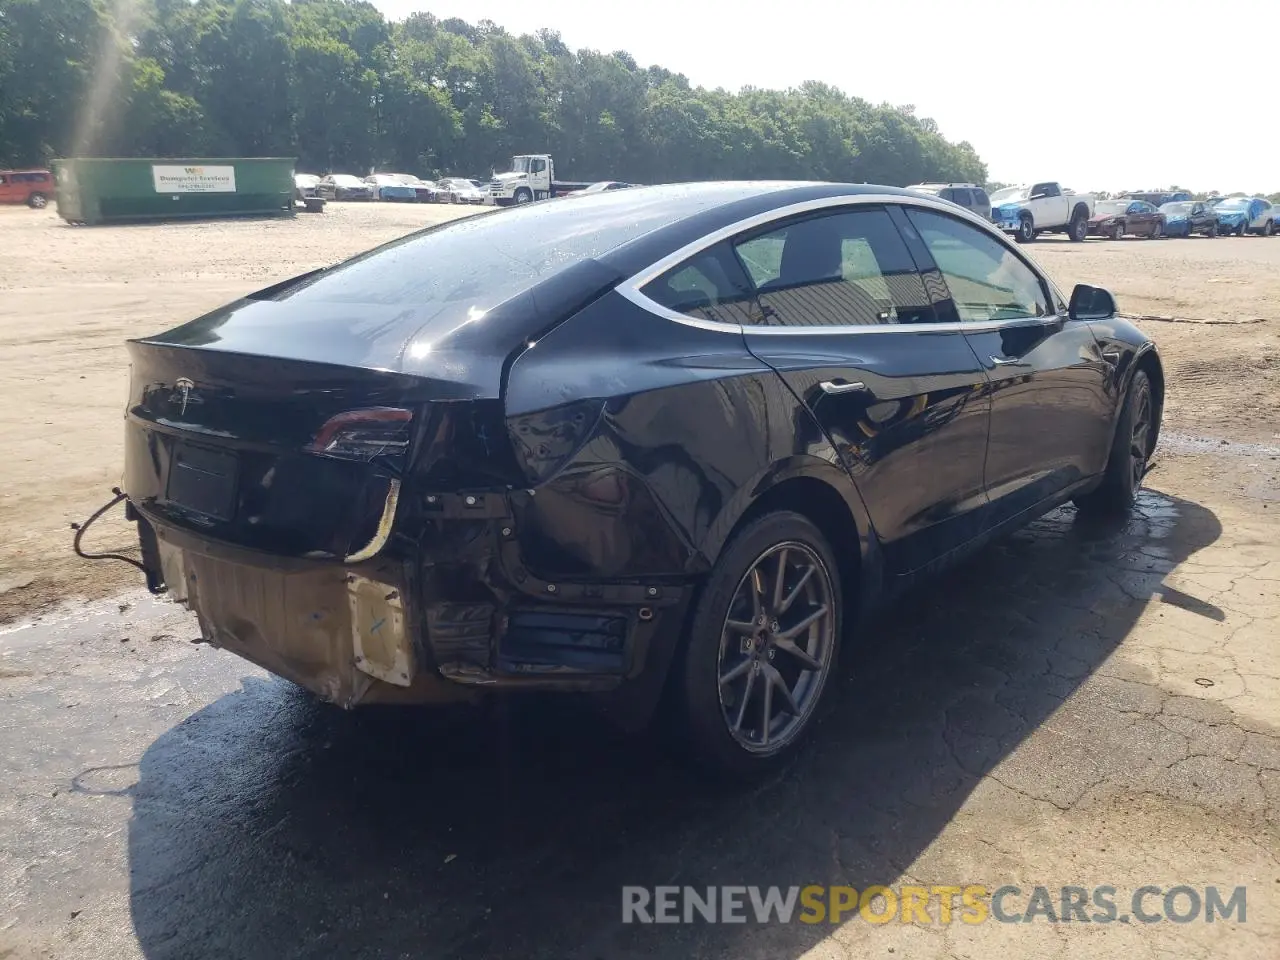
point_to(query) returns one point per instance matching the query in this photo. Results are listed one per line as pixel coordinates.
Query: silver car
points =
(968, 195)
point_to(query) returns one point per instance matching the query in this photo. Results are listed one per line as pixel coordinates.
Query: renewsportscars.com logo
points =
(940, 904)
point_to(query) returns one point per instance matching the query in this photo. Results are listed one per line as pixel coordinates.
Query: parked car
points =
(408, 504)
(968, 195)
(1115, 218)
(1042, 208)
(393, 186)
(1241, 215)
(35, 188)
(305, 185)
(424, 191)
(1183, 218)
(460, 190)
(343, 186)
(1159, 198)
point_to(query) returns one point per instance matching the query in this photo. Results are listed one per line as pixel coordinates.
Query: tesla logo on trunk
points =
(185, 387)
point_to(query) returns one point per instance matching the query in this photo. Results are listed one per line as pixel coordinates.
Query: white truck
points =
(532, 177)
(1026, 211)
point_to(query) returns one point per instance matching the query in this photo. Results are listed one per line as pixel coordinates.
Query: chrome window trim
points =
(631, 287)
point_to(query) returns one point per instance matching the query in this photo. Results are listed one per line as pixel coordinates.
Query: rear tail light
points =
(364, 434)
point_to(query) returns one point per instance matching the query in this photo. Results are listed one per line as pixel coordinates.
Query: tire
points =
(523, 195)
(37, 201)
(1157, 231)
(1026, 229)
(1268, 228)
(1212, 231)
(1131, 447)
(736, 632)
(1117, 232)
(1240, 230)
(1078, 229)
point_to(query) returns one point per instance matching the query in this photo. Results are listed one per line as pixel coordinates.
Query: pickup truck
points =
(1041, 208)
(532, 177)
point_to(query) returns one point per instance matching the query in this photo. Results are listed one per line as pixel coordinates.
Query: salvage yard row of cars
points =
(1027, 211)
(401, 187)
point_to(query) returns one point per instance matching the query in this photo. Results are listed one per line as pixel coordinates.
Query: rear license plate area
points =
(202, 481)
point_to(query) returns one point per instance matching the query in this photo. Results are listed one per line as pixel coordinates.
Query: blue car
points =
(393, 186)
(1185, 218)
(1241, 215)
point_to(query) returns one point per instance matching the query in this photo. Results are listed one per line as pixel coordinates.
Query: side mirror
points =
(1091, 303)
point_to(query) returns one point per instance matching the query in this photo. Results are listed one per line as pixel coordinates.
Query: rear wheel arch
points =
(814, 491)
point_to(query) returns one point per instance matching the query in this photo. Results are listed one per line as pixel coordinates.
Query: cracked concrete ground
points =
(1078, 705)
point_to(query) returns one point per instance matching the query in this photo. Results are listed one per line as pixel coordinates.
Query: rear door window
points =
(981, 199)
(847, 268)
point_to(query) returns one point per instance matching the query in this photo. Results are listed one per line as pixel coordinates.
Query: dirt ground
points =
(1080, 704)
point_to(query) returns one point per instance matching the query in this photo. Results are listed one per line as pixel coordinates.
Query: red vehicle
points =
(35, 188)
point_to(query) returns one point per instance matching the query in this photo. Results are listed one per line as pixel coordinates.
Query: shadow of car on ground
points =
(269, 825)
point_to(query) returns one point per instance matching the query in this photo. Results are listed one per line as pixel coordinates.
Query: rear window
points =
(461, 269)
(961, 196)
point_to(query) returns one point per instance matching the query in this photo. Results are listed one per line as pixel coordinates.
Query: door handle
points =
(835, 389)
(1007, 362)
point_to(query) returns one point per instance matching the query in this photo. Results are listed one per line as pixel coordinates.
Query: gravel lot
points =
(1078, 705)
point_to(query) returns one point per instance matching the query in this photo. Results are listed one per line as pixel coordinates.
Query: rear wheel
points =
(1079, 228)
(1157, 231)
(762, 645)
(1269, 228)
(1130, 449)
(1240, 230)
(37, 201)
(1212, 231)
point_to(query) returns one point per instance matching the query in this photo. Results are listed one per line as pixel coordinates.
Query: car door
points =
(1049, 206)
(1050, 405)
(847, 321)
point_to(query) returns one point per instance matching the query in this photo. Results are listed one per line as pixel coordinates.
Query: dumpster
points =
(119, 190)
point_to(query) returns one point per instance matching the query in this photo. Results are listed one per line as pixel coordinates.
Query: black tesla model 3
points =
(670, 440)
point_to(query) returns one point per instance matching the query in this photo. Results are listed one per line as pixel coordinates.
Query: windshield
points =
(1234, 203)
(1111, 206)
(1176, 208)
(1010, 193)
(520, 164)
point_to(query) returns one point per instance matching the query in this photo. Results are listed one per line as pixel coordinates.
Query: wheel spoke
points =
(735, 672)
(775, 679)
(804, 624)
(783, 607)
(757, 593)
(804, 656)
(746, 696)
(737, 626)
(780, 581)
(766, 711)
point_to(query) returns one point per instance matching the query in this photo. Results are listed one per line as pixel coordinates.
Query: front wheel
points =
(1157, 231)
(1026, 229)
(1117, 232)
(1268, 228)
(1212, 231)
(523, 196)
(1130, 450)
(1240, 230)
(762, 645)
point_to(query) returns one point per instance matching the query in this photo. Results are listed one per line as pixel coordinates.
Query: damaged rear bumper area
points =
(442, 619)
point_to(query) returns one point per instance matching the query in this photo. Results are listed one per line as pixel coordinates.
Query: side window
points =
(710, 285)
(988, 281)
(981, 199)
(962, 197)
(849, 268)
(539, 166)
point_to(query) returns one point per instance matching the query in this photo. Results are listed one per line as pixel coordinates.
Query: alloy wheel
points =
(1140, 434)
(776, 647)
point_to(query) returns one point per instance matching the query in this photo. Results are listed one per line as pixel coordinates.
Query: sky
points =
(1097, 94)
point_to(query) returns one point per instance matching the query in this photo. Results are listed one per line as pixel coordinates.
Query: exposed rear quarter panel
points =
(649, 440)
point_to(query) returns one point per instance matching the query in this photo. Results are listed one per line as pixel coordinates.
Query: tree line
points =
(336, 85)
